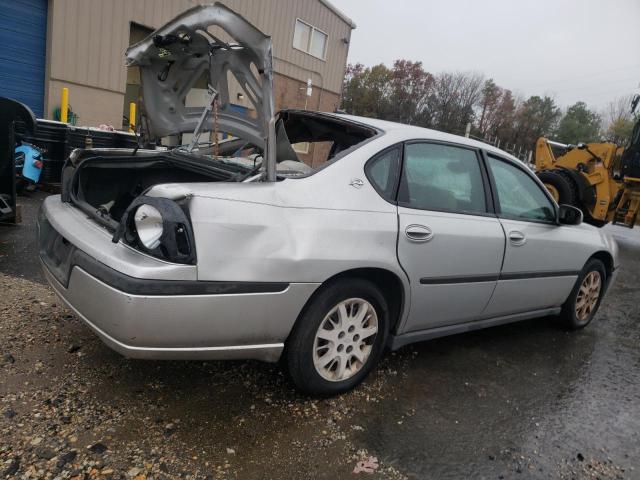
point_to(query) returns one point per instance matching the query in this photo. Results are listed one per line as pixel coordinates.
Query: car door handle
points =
(517, 238)
(418, 233)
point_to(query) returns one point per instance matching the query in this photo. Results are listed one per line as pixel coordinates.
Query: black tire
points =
(563, 184)
(301, 342)
(569, 311)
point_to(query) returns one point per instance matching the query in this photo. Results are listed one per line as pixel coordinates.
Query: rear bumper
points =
(220, 327)
(167, 318)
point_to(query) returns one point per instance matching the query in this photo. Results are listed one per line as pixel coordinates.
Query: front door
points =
(542, 259)
(449, 241)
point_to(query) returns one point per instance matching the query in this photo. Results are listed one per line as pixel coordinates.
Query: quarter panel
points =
(301, 230)
(239, 241)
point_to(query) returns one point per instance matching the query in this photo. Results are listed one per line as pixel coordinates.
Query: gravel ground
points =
(72, 408)
(528, 400)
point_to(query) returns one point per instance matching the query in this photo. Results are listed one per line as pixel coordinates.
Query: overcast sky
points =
(571, 49)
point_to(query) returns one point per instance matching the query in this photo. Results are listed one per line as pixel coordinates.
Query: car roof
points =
(414, 132)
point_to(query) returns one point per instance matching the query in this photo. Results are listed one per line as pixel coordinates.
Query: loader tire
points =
(561, 187)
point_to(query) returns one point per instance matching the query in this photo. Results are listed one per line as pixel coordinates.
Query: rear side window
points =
(383, 171)
(519, 196)
(442, 178)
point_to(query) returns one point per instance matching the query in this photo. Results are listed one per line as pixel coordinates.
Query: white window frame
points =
(308, 50)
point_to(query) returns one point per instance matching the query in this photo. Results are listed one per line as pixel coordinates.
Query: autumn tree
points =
(503, 123)
(408, 93)
(448, 101)
(489, 102)
(365, 90)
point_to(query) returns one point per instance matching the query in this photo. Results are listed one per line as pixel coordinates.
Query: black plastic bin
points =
(51, 171)
(78, 137)
(58, 140)
(125, 140)
(49, 136)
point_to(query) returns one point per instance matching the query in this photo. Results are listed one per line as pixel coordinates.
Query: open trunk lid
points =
(176, 56)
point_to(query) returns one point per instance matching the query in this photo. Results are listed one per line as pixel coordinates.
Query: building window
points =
(310, 40)
(302, 147)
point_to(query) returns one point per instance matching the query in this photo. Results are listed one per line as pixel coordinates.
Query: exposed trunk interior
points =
(104, 183)
(107, 186)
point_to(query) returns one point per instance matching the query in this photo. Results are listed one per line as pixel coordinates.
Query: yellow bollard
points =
(132, 117)
(64, 105)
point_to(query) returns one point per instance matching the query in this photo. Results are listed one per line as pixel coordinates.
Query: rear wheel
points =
(339, 338)
(584, 300)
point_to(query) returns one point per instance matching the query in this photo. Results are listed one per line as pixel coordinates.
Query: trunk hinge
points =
(212, 96)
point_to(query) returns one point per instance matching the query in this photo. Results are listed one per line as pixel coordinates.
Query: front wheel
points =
(584, 300)
(339, 338)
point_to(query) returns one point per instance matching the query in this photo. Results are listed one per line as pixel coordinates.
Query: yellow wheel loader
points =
(602, 179)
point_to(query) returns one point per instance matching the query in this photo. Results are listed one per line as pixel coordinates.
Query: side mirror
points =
(569, 215)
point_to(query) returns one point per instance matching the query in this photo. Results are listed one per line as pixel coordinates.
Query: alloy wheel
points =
(344, 340)
(588, 295)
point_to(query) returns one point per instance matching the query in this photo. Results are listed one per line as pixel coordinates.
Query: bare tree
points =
(618, 120)
(454, 100)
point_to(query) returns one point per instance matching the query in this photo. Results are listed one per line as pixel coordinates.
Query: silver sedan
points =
(238, 249)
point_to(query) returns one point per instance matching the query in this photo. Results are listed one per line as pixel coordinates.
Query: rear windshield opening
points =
(305, 142)
(314, 139)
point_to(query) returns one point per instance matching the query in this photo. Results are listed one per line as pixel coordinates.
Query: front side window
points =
(442, 178)
(310, 40)
(383, 171)
(519, 196)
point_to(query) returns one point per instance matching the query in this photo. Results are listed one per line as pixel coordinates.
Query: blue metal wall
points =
(23, 38)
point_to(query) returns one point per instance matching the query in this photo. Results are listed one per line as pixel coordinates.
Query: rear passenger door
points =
(449, 242)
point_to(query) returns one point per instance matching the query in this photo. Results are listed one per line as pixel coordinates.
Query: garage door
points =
(23, 37)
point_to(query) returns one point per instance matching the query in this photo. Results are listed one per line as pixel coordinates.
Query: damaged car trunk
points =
(110, 185)
(106, 183)
(172, 60)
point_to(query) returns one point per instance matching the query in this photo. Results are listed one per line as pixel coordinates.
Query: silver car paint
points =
(547, 248)
(462, 245)
(185, 327)
(304, 231)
